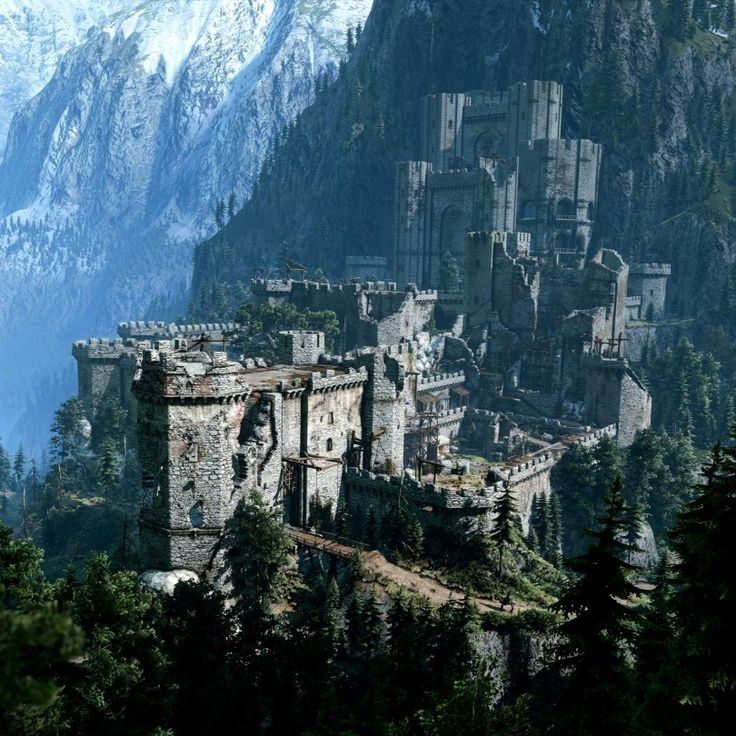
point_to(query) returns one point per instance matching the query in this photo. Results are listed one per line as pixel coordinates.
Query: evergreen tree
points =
(120, 685)
(67, 436)
(704, 600)
(655, 645)
(370, 531)
(555, 552)
(415, 540)
(681, 18)
(701, 13)
(532, 539)
(198, 632)
(597, 696)
(19, 467)
(256, 549)
(449, 273)
(231, 205)
(505, 522)
(108, 471)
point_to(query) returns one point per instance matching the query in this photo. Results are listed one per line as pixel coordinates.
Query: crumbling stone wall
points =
(614, 394)
(368, 314)
(191, 408)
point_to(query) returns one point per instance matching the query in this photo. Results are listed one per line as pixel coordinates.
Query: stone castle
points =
(494, 162)
(437, 395)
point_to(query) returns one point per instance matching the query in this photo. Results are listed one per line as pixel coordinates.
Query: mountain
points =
(34, 35)
(112, 170)
(656, 89)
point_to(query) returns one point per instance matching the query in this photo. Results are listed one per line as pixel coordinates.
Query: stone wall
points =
(372, 314)
(300, 347)
(105, 370)
(648, 281)
(191, 408)
(558, 195)
(614, 394)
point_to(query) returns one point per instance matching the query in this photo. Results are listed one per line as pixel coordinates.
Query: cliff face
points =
(662, 107)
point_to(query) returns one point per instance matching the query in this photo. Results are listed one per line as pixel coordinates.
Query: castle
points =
(439, 393)
(494, 162)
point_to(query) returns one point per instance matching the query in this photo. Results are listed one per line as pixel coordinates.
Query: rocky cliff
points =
(660, 100)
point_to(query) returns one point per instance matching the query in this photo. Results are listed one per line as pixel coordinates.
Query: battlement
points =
(171, 375)
(521, 470)
(331, 380)
(440, 381)
(163, 330)
(555, 147)
(105, 349)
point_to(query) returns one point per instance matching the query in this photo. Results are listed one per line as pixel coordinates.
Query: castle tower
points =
(435, 211)
(534, 114)
(649, 281)
(384, 410)
(441, 138)
(105, 371)
(558, 196)
(300, 347)
(409, 211)
(615, 395)
(190, 411)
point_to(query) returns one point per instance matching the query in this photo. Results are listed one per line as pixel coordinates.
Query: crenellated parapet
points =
(170, 375)
(440, 381)
(149, 330)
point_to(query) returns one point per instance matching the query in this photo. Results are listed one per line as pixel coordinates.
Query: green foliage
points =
(681, 18)
(108, 471)
(262, 323)
(256, 549)
(506, 524)
(704, 599)
(597, 631)
(449, 273)
(34, 646)
(67, 435)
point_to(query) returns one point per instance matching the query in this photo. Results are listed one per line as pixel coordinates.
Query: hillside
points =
(662, 106)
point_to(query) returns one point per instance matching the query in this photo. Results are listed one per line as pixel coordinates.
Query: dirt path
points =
(419, 583)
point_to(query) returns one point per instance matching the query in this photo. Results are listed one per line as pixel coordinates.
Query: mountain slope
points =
(34, 35)
(111, 172)
(660, 104)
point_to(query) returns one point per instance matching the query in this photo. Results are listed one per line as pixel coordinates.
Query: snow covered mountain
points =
(112, 170)
(34, 35)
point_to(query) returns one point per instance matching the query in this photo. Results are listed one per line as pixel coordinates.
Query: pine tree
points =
(681, 18)
(730, 16)
(505, 522)
(555, 509)
(67, 436)
(597, 690)
(19, 467)
(701, 13)
(415, 540)
(655, 645)
(532, 539)
(5, 478)
(108, 471)
(256, 549)
(704, 600)
(231, 205)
